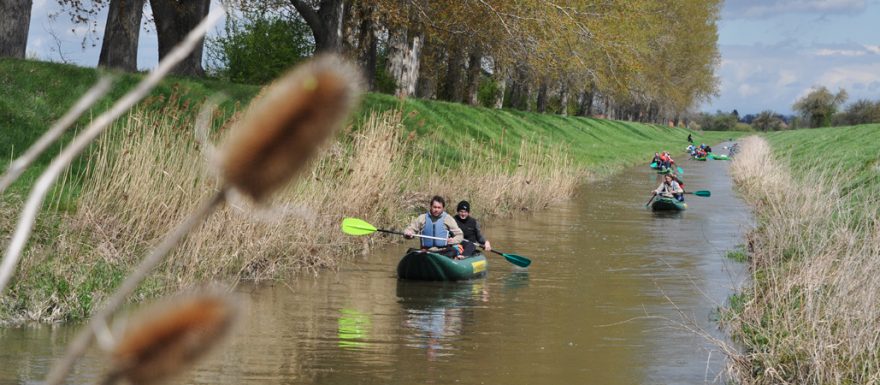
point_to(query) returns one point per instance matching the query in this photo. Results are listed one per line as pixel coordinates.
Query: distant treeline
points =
(819, 108)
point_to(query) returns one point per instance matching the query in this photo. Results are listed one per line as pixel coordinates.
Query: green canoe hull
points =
(703, 159)
(425, 266)
(667, 204)
(719, 157)
(665, 171)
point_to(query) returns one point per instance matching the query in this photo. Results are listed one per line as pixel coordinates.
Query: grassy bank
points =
(810, 316)
(148, 172)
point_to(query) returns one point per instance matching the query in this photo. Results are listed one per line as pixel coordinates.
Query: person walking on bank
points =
(690, 139)
(470, 228)
(436, 223)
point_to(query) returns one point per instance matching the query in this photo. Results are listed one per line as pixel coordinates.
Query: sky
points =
(772, 51)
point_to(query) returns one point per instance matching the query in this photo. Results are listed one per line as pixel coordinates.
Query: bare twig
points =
(82, 105)
(35, 200)
(85, 336)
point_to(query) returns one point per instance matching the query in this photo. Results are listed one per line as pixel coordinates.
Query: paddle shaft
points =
(512, 258)
(429, 237)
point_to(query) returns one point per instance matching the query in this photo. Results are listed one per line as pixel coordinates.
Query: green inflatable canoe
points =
(665, 171)
(425, 266)
(668, 204)
(719, 157)
(700, 158)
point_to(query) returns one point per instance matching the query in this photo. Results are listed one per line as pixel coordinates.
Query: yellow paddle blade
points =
(354, 226)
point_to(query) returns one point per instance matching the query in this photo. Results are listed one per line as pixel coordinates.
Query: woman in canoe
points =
(670, 188)
(470, 228)
(436, 223)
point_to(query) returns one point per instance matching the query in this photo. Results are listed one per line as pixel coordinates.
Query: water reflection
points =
(435, 313)
(353, 328)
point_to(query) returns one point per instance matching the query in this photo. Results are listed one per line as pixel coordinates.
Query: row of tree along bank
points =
(135, 184)
(810, 315)
(638, 60)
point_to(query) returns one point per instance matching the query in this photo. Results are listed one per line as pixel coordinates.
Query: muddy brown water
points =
(616, 295)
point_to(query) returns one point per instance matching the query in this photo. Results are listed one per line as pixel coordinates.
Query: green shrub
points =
(258, 49)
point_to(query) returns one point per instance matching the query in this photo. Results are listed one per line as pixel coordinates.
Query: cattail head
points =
(165, 340)
(285, 126)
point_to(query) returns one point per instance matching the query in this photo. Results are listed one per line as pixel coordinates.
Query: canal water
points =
(616, 294)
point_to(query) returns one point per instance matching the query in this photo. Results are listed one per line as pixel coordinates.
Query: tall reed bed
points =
(147, 175)
(811, 314)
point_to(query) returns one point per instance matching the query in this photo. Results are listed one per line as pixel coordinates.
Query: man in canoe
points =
(470, 228)
(670, 189)
(436, 223)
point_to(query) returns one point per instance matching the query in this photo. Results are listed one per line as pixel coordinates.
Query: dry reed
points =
(164, 340)
(282, 129)
(810, 315)
(146, 176)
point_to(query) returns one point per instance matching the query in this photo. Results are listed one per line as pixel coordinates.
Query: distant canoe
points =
(425, 266)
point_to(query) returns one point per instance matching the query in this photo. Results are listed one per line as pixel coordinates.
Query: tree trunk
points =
(403, 62)
(121, 36)
(326, 22)
(563, 100)
(500, 84)
(426, 87)
(174, 20)
(474, 75)
(585, 103)
(15, 19)
(367, 44)
(452, 82)
(541, 102)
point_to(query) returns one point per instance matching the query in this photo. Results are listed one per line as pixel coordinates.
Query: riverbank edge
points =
(808, 314)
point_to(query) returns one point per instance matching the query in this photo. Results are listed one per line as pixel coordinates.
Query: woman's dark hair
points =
(439, 200)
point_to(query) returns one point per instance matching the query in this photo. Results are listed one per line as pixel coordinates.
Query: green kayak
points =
(700, 158)
(665, 171)
(668, 204)
(719, 157)
(425, 266)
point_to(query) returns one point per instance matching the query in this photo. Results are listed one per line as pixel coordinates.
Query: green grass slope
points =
(852, 153)
(35, 94)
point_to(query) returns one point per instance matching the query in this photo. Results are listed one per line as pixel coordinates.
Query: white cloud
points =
(771, 8)
(839, 52)
(875, 49)
(746, 90)
(850, 77)
(786, 78)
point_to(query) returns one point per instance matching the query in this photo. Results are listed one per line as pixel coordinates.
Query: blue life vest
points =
(434, 229)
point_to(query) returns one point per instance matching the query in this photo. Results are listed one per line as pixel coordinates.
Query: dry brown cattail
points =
(285, 126)
(170, 337)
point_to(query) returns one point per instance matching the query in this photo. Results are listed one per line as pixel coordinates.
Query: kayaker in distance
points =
(670, 189)
(436, 223)
(666, 160)
(470, 228)
(656, 159)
